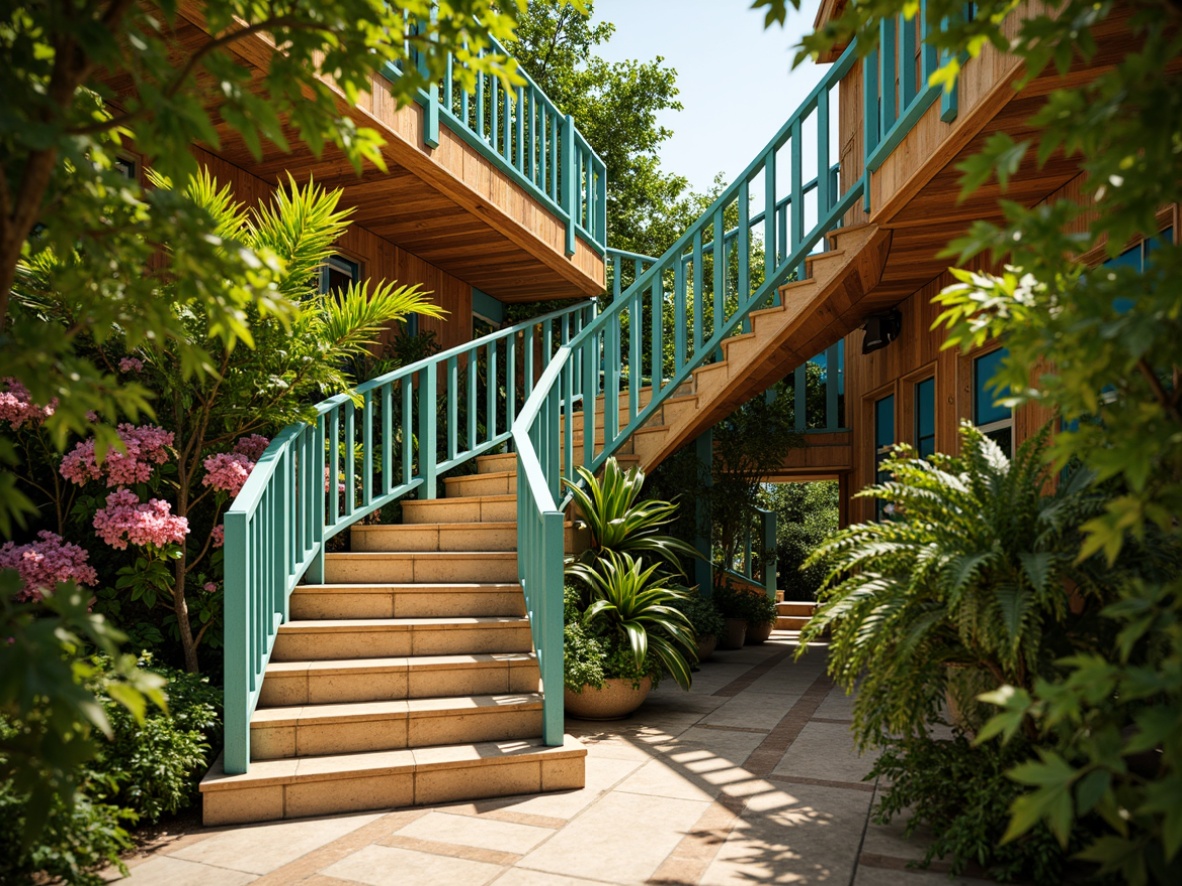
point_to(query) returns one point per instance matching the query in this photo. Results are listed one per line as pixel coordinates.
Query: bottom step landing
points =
(303, 786)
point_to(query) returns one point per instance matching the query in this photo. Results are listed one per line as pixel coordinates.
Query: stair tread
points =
(440, 555)
(485, 476)
(397, 663)
(291, 770)
(401, 708)
(465, 499)
(501, 524)
(379, 624)
(423, 587)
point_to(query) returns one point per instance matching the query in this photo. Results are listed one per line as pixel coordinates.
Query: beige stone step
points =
(393, 600)
(338, 639)
(796, 607)
(492, 483)
(384, 679)
(304, 786)
(444, 537)
(355, 727)
(461, 509)
(791, 622)
(421, 566)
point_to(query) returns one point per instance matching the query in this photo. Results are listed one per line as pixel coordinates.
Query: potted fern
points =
(708, 625)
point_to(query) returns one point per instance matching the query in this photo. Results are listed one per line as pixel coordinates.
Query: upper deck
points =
(500, 192)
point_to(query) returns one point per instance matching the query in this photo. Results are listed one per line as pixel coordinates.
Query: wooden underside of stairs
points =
(409, 677)
(814, 313)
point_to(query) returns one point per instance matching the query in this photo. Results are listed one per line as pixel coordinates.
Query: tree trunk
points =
(181, 606)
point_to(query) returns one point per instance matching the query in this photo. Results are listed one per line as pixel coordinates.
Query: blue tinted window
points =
(925, 417)
(884, 422)
(985, 408)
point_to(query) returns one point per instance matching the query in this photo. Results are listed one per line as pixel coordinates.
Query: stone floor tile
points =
(603, 773)
(837, 705)
(875, 876)
(260, 848)
(810, 835)
(166, 871)
(521, 877)
(482, 833)
(826, 750)
(387, 866)
(622, 839)
(658, 778)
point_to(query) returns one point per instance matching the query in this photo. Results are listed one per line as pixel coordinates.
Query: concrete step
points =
(462, 509)
(791, 622)
(355, 727)
(445, 537)
(305, 786)
(339, 639)
(427, 567)
(288, 683)
(393, 600)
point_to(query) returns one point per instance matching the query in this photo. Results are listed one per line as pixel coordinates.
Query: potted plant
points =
(622, 634)
(619, 522)
(759, 612)
(734, 617)
(707, 623)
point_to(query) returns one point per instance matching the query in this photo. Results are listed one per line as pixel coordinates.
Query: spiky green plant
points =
(974, 568)
(636, 603)
(621, 524)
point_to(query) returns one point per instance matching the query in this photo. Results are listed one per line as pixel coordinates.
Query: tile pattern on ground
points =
(750, 777)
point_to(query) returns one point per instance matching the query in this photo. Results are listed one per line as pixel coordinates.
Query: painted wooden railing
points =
(670, 321)
(756, 560)
(523, 134)
(896, 86)
(394, 434)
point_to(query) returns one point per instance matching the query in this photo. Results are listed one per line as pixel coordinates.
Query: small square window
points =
(338, 273)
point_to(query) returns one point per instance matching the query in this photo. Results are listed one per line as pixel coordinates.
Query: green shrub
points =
(155, 768)
(77, 841)
(963, 795)
(753, 606)
(702, 613)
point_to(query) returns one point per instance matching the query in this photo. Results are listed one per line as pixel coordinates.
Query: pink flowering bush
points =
(252, 446)
(145, 446)
(131, 364)
(227, 472)
(126, 520)
(218, 537)
(17, 409)
(42, 564)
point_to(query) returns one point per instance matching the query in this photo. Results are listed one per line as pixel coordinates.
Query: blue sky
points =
(735, 78)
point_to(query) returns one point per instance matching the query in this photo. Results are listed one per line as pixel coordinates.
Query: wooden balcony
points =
(470, 203)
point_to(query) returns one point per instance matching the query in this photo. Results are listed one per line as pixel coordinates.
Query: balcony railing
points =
(524, 134)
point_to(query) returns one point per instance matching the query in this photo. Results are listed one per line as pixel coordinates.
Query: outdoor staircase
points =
(409, 677)
(793, 615)
(813, 313)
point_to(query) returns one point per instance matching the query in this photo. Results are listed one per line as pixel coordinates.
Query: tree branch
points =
(1167, 401)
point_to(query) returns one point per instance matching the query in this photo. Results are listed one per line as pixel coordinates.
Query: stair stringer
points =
(814, 313)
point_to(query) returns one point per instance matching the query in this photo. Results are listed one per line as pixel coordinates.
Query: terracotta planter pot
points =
(734, 635)
(757, 633)
(706, 646)
(616, 700)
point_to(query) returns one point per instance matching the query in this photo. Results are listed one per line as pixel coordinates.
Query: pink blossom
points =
(17, 409)
(209, 587)
(144, 446)
(126, 520)
(218, 536)
(42, 564)
(252, 446)
(227, 471)
(131, 364)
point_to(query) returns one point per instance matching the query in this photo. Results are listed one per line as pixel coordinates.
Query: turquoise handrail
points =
(896, 85)
(313, 481)
(730, 262)
(757, 560)
(524, 134)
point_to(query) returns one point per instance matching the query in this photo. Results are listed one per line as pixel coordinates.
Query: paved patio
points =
(749, 778)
